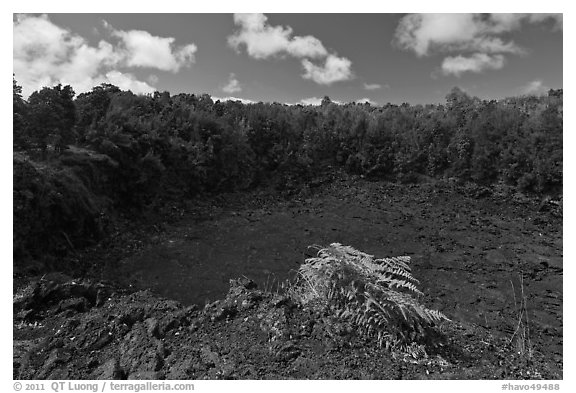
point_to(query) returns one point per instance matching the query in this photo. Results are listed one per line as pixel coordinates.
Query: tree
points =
(19, 117)
(91, 107)
(556, 93)
(52, 116)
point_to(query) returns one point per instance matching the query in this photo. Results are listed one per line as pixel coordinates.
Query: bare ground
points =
(473, 249)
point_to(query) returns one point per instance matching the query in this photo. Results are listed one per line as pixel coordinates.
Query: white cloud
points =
(418, 32)
(427, 33)
(536, 87)
(125, 81)
(242, 100)
(490, 45)
(128, 82)
(37, 36)
(366, 101)
(510, 22)
(153, 79)
(263, 41)
(557, 19)
(477, 63)
(315, 101)
(311, 101)
(145, 50)
(335, 69)
(233, 86)
(45, 54)
(479, 40)
(373, 86)
(307, 46)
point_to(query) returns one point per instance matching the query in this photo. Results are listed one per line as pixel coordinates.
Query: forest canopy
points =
(112, 148)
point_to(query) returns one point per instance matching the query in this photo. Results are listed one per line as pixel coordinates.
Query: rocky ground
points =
(477, 252)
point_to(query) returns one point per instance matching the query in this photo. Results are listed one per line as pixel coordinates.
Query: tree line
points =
(125, 151)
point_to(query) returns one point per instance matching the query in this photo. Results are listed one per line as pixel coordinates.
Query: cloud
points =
(335, 69)
(557, 19)
(429, 33)
(128, 82)
(307, 46)
(153, 79)
(311, 101)
(142, 49)
(418, 32)
(478, 40)
(477, 63)
(233, 86)
(510, 22)
(242, 100)
(536, 87)
(315, 101)
(263, 41)
(373, 86)
(45, 54)
(366, 101)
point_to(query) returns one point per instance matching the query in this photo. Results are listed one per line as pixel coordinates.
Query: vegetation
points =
(521, 335)
(374, 295)
(120, 152)
(54, 211)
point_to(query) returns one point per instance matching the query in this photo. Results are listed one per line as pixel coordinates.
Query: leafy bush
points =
(375, 295)
(53, 210)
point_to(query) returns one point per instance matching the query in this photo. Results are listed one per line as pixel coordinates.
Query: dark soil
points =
(473, 249)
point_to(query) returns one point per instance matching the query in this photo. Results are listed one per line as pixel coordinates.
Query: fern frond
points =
(373, 294)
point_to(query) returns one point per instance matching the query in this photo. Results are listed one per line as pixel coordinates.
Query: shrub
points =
(53, 209)
(374, 295)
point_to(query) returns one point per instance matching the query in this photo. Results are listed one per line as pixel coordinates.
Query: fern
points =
(375, 295)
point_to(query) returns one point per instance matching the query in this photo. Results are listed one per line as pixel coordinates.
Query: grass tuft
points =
(521, 336)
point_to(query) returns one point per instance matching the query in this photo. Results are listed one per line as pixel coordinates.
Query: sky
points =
(294, 58)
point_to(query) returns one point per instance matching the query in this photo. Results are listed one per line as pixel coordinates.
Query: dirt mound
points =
(78, 329)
